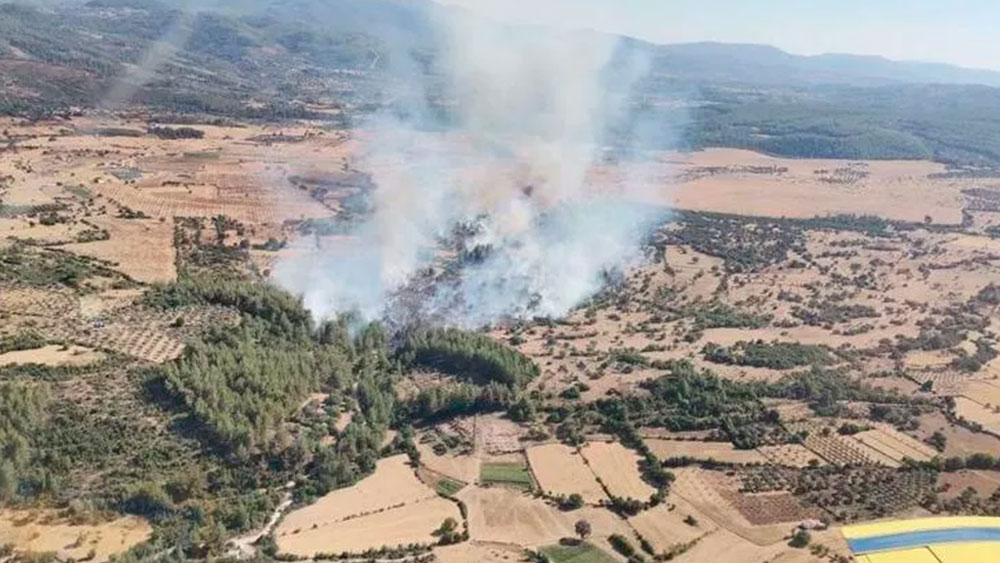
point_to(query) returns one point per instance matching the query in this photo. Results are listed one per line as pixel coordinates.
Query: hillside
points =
(344, 61)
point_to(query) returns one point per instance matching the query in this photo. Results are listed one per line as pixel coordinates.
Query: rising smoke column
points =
(531, 112)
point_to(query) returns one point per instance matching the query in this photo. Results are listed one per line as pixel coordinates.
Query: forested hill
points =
(280, 59)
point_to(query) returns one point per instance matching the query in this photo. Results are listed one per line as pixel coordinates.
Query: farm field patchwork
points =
(506, 515)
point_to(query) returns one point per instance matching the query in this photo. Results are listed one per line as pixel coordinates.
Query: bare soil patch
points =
(52, 355)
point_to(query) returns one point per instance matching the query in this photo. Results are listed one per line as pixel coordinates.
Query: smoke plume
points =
(505, 212)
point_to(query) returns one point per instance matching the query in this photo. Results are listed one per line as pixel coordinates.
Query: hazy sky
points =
(962, 32)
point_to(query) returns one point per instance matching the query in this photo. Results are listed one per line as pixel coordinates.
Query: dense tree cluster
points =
(176, 132)
(22, 407)
(947, 123)
(450, 399)
(24, 340)
(24, 266)
(721, 315)
(774, 355)
(243, 384)
(469, 355)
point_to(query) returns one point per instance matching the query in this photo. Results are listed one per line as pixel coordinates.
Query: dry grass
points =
(704, 491)
(664, 525)
(462, 467)
(960, 441)
(560, 470)
(142, 249)
(894, 445)
(894, 189)
(52, 355)
(483, 553)
(988, 417)
(392, 485)
(618, 468)
(507, 516)
(412, 523)
(792, 455)
(40, 531)
(719, 451)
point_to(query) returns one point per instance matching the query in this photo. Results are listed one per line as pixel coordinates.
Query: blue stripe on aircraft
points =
(922, 538)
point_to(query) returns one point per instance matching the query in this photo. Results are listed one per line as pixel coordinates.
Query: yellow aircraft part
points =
(919, 524)
(971, 552)
(915, 555)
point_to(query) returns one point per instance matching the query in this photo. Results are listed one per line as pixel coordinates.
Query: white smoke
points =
(532, 110)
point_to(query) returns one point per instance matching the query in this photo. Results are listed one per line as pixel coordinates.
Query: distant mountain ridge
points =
(740, 62)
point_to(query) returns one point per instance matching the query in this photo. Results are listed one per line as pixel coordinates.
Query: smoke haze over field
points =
(531, 113)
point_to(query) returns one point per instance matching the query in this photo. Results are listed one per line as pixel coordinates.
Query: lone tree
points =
(801, 539)
(582, 528)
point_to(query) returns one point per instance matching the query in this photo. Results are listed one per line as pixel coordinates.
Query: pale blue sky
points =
(964, 32)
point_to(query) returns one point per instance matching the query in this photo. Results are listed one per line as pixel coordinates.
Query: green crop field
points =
(513, 473)
(448, 487)
(582, 553)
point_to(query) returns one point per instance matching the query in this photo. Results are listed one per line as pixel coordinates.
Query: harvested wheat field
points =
(560, 470)
(960, 440)
(52, 355)
(504, 515)
(892, 447)
(465, 468)
(618, 468)
(899, 189)
(41, 531)
(393, 484)
(719, 451)
(664, 525)
(142, 249)
(724, 545)
(988, 417)
(986, 393)
(414, 522)
(479, 552)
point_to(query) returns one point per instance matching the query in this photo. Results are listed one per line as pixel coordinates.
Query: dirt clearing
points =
(52, 355)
